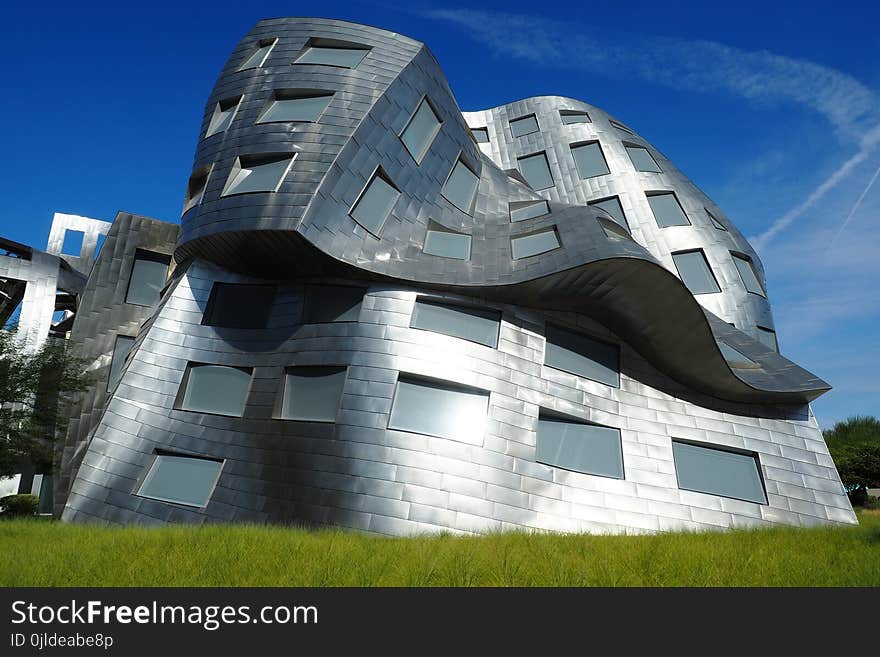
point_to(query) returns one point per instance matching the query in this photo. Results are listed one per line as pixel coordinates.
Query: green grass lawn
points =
(36, 553)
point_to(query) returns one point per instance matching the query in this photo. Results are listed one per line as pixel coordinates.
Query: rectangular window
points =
(574, 116)
(718, 471)
(768, 338)
(522, 210)
(667, 210)
(147, 278)
(587, 448)
(323, 53)
(524, 246)
(735, 358)
(312, 394)
(332, 303)
(613, 207)
(472, 324)
(447, 244)
(582, 355)
(295, 105)
(73, 242)
(642, 159)
(695, 273)
(419, 133)
(195, 189)
(375, 203)
(257, 173)
(217, 389)
(620, 127)
(589, 159)
(746, 270)
(536, 170)
(442, 410)
(224, 112)
(120, 352)
(524, 125)
(714, 220)
(239, 305)
(258, 56)
(481, 135)
(188, 480)
(460, 188)
(613, 229)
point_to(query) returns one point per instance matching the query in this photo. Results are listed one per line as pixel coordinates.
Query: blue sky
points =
(773, 109)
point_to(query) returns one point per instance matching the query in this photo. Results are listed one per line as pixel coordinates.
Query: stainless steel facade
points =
(618, 285)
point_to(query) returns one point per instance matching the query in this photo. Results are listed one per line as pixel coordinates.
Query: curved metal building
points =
(390, 315)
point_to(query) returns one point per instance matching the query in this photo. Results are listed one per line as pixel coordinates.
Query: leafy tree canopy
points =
(855, 447)
(35, 388)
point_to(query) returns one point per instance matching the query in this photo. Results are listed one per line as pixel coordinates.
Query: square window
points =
(239, 305)
(642, 159)
(767, 337)
(195, 188)
(258, 173)
(481, 135)
(295, 105)
(695, 273)
(522, 210)
(188, 480)
(582, 355)
(621, 127)
(536, 170)
(332, 303)
(460, 188)
(148, 274)
(215, 389)
(329, 52)
(524, 246)
(667, 210)
(614, 230)
(438, 409)
(375, 203)
(121, 348)
(224, 112)
(259, 54)
(73, 242)
(718, 471)
(714, 220)
(736, 359)
(578, 446)
(420, 131)
(524, 125)
(474, 324)
(312, 394)
(574, 116)
(614, 209)
(747, 273)
(445, 243)
(589, 159)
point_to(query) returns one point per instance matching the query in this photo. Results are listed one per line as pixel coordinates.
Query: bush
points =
(855, 447)
(19, 505)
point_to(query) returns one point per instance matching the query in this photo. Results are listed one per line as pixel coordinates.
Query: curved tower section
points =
(389, 315)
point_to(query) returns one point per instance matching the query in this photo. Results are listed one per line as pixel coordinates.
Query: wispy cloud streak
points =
(762, 77)
(698, 65)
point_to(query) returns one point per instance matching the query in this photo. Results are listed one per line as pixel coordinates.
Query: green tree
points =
(855, 447)
(35, 390)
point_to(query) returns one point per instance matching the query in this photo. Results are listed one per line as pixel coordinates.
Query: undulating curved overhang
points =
(305, 227)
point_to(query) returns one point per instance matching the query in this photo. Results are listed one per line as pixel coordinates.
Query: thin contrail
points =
(855, 208)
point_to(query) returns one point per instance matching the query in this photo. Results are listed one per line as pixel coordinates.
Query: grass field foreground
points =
(39, 553)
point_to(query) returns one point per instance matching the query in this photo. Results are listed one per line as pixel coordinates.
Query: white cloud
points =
(696, 65)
